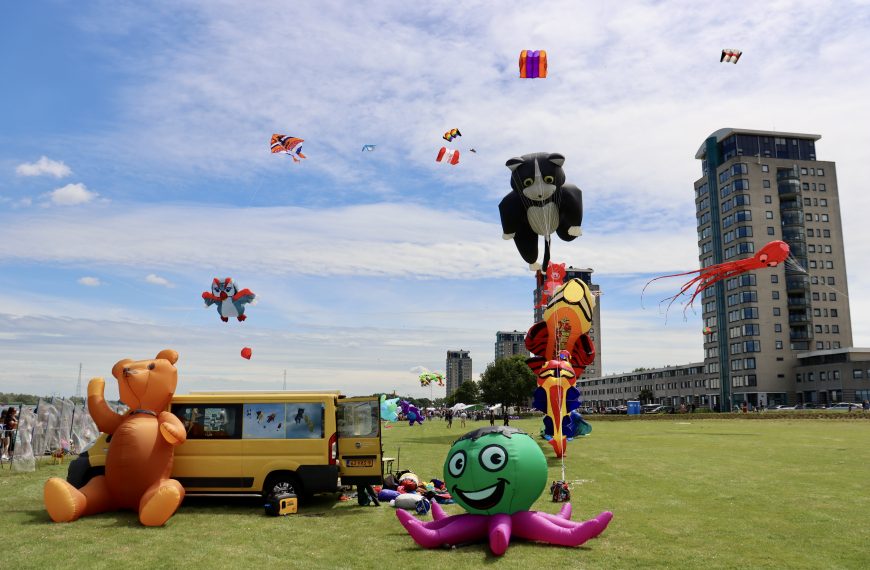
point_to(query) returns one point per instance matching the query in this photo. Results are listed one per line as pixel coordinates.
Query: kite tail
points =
(546, 261)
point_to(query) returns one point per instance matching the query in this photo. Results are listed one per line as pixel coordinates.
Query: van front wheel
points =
(282, 483)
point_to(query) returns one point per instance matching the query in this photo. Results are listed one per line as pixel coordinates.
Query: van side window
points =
(299, 420)
(358, 419)
(210, 421)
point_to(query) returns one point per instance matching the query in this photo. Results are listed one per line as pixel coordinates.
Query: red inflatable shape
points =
(246, 353)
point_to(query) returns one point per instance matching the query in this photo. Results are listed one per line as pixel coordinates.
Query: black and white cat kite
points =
(539, 204)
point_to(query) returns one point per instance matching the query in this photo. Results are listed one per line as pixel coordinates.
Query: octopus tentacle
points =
(437, 512)
(543, 527)
(565, 512)
(450, 530)
(499, 533)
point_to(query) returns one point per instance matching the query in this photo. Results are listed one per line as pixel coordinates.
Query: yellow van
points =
(266, 442)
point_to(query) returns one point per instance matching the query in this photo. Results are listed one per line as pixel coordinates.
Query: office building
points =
(756, 187)
(776, 335)
(458, 369)
(510, 343)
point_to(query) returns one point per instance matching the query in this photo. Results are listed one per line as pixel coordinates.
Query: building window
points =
(768, 199)
(765, 168)
(804, 171)
(826, 233)
(820, 345)
(768, 215)
(835, 329)
(808, 217)
(776, 311)
(770, 231)
(775, 295)
(835, 374)
(820, 171)
(857, 373)
(774, 278)
(765, 183)
(822, 188)
(829, 265)
(810, 232)
(779, 345)
(834, 312)
(811, 248)
(777, 327)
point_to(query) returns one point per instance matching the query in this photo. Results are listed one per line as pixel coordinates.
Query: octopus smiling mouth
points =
(484, 498)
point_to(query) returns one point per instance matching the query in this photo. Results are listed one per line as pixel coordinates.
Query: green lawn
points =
(685, 494)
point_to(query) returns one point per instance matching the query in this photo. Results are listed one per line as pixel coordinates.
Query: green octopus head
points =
(495, 470)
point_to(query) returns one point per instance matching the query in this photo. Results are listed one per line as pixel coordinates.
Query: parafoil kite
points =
(540, 203)
(533, 64)
(139, 461)
(288, 145)
(448, 155)
(496, 474)
(562, 349)
(452, 134)
(730, 55)
(368, 148)
(230, 301)
(247, 352)
(389, 409)
(770, 255)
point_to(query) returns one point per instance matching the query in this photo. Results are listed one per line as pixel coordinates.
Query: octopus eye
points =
(493, 457)
(456, 465)
(763, 258)
(528, 182)
(151, 366)
(549, 179)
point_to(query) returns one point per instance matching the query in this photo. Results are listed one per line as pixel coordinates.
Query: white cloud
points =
(43, 166)
(385, 239)
(90, 281)
(157, 280)
(71, 195)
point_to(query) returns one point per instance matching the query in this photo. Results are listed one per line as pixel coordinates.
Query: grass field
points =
(685, 494)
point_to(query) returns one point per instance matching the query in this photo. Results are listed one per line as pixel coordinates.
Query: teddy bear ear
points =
(168, 354)
(514, 163)
(556, 159)
(119, 366)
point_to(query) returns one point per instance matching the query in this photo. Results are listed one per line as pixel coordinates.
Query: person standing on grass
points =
(462, 417)
(865, 405)
(491, 417)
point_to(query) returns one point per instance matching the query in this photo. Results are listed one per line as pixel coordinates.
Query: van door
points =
(359, 441)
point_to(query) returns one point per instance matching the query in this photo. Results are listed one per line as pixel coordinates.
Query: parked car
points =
(809, 406)
(845, 407)
(780, 408)
(649, 408)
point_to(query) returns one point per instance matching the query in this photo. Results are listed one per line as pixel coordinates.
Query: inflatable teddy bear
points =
(139, 461)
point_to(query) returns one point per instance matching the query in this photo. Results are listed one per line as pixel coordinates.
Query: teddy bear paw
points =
(575, 231)
(508, 236)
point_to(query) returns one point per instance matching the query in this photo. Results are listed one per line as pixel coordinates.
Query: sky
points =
(135, 168)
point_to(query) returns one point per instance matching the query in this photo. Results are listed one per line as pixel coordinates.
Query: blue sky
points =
(134, 168)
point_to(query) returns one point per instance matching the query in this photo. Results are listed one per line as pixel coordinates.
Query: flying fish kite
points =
(288, 145)
(452, 134)
(368, 148)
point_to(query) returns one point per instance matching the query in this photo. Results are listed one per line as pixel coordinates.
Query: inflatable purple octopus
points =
(496, 474)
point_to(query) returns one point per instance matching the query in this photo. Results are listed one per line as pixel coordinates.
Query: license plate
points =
(360, 462)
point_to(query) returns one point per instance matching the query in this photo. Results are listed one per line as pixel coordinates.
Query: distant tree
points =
(508, 381)
(646, 396)
(467, 393)
(641, 369)
(27, 399)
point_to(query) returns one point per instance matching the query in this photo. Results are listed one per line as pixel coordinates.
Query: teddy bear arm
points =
(171, 428)
(105, 418)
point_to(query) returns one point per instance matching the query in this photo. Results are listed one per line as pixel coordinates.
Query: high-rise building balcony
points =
(793, 236)
(798, 318)
(792, 219)
(787, 173)
(797, 302)
(797, 283)
(799, 335)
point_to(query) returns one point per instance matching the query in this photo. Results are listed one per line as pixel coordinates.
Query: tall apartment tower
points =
(584, 275)
(458, 369)
(760, 186)
(510, 343)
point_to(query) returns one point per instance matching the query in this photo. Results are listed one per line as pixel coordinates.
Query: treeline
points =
(29, 399)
